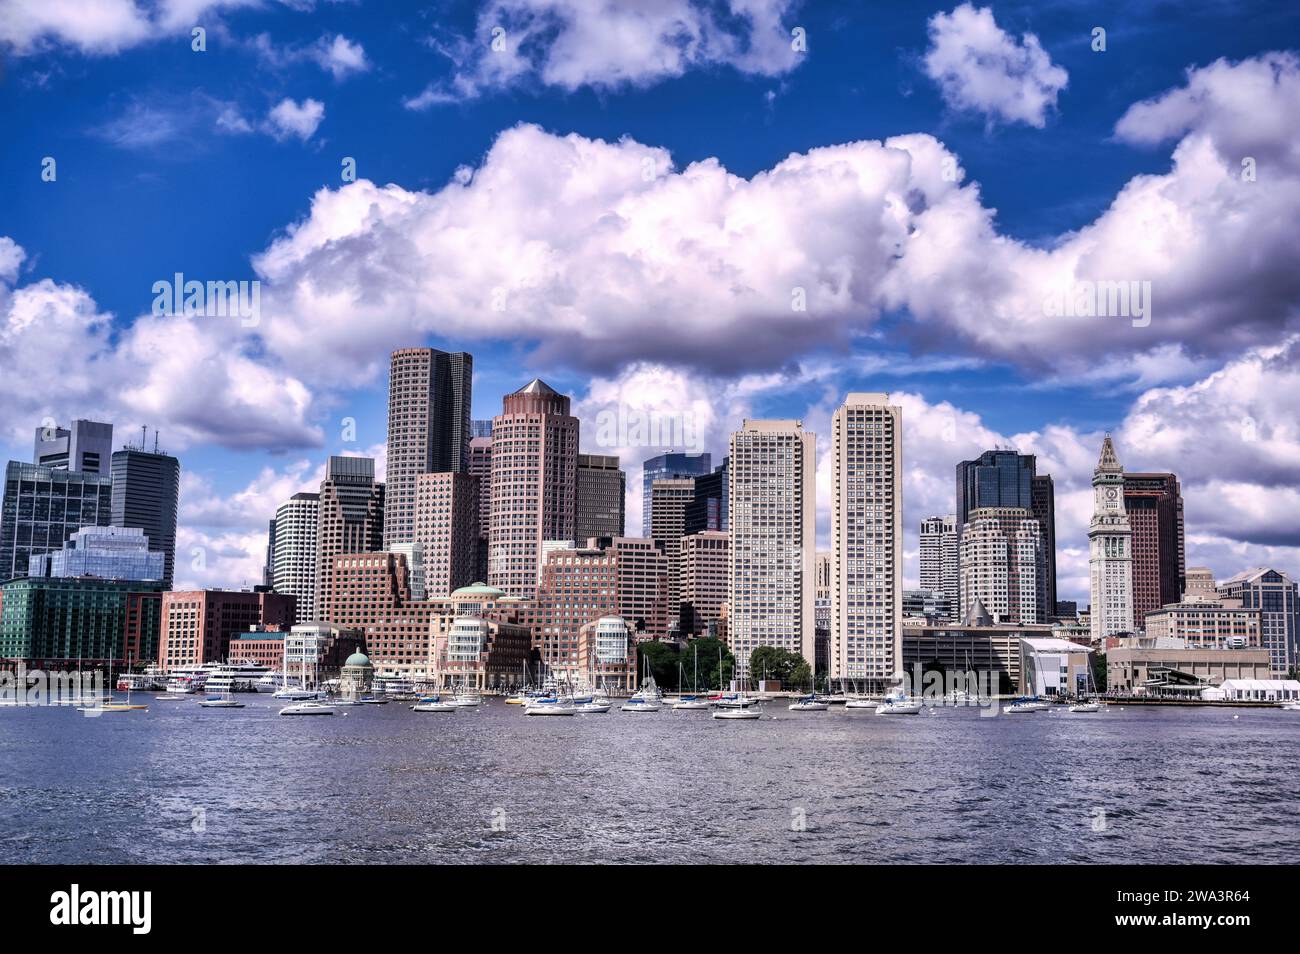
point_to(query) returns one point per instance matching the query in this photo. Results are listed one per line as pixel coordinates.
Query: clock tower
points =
(1110, 549)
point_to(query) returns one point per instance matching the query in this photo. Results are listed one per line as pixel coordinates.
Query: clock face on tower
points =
(1111, 493)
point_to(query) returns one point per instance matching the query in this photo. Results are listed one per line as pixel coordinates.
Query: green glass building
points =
(80, 617)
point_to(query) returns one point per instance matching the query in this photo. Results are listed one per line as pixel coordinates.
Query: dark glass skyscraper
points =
(1154, 504)
(146, 493)
(708, 509)
(667, 466)
(1006, 478)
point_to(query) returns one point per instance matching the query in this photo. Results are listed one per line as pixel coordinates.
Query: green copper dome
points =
(358, 659)
(478, 591)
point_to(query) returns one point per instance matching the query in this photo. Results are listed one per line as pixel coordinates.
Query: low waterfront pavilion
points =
(1261, 690)
(1053, 667)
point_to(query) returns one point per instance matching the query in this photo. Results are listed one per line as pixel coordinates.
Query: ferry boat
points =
(186, 680)
(239, 675)
(152, 679)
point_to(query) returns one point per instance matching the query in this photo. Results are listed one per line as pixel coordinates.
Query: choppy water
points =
(383, 784)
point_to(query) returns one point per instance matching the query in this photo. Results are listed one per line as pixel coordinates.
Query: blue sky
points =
(672, 295)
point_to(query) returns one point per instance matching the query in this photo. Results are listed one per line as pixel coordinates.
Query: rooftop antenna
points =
(155, 440)
(144, 428)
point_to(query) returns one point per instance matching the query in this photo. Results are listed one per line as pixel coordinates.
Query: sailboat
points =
(111, 706)
(1089, 703)
(692, 701)
(647, 698)
(223, 700)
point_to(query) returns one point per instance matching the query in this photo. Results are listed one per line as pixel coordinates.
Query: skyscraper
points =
(708, 508)
(84, 447)
(1110, 553)
(294, 566)
(534, 472)
(429, 395)
(1154, 503)
(665, 467)
(446, 528)
(702, 580)
(939, 558)
(146, 494)
(772, 498)
(867, 542)
(601, 498)
(1003, 565)
(480, 466)
(1005, 478)
(43, 506)
(351, 521)
(670, 498)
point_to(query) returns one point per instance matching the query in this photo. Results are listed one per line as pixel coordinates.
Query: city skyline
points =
(1191, 393)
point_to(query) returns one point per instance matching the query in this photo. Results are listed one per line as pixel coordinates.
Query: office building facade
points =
(43, 506)
(601, 497)
(429, 397)
(1154, 504)
(667, 467)
(146, 494)
(940, 559)
(293, 562)
(351, 520)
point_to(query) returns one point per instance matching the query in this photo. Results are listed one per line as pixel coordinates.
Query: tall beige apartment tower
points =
(429, 394)
(534, 473)
(351, 520)
(772, 515)
(866, 649)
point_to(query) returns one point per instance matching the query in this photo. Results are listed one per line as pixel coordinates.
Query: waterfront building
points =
(480, 466)
(85, 447)
(668, 466)
(867, 542)
(978, 646)
(534, 472)
(293, 562)
(1205, 624)
(1260, 690)
(372, 595)
(351, 520)
(1275, 595)
(52, 621)
(601, 497)
(1110, 553)
(772, 499)
(940, 561)
(1003, 565)
(356, 677)
(670, 498)
(607, 654)
(707, 509)
(1154, 505)
(1050, 666)
(110, 553)
(1180, 671)
(43, 506)
(619, 576)
(703, 580)
(198, 625)
(305, 651)
(447, 530)
(481, 640)
(429, 396)
(146, 494)
(1005, 478)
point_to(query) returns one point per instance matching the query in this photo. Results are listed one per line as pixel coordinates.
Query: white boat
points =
(1291, 706)
(307, 708)
(224, 701)
(750, 710)
(593, 706)
(551, 706)
(237, 675)
(433, 704)
(1086, 707)
(295, 694)
(1025, 705)
(647, 699)
(898, 702)
(692, 703)
(466, 699)
(860, 702)
(640, 705)
(809, 704)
